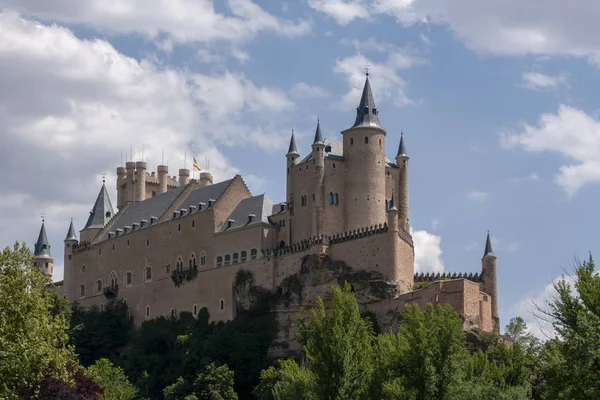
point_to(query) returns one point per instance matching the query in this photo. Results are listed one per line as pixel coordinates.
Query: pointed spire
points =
(293, 149)
(488, 246)
(42, 247)
(318, 136)
(366, 113)
(102, 211)
(392, 204)
(71, 235)
(402, 147)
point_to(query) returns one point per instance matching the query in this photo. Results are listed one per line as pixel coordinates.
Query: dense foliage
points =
(343, 355)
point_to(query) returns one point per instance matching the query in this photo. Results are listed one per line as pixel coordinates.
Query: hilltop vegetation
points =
(50, 350)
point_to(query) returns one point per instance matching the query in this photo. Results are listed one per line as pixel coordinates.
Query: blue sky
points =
(494, 99)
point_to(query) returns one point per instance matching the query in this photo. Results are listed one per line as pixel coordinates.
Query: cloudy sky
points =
(495, 98)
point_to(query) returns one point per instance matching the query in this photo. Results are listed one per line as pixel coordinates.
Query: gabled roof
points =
(367, 113)
(202, 195)
(102, 211)
(260, 206)
(42, 247)
(71, 235)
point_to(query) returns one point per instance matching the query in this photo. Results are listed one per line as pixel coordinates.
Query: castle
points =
(175, 245)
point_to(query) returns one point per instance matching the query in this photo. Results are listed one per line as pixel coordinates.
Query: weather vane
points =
(367, 68)
(43, 217)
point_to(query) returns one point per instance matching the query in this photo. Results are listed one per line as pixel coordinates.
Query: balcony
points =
(111, 291)
(181, 276)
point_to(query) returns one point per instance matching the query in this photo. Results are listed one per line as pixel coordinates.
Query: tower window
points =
(313, 197)
(113, 247)
(220, 261)
(366, 140)
(147, 242)
(203, 258)
(128, 279)
(351, 141)
(253, 254)
(179, 227)
(244, 256)
(100, 252)
(69, 256)
(81, 290)
(147, 311)
(335, 199)
(222, 304)
(227, 259)
(148, 274)
(83, 268)
(333, 165)
(98, 286)
(195, 309)
(380, 142)
(127, 242)
(193, 223)
(236, 258)
(389, 173)
(331, 198)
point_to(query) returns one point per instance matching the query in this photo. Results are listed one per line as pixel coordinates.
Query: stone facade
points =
(176, 245)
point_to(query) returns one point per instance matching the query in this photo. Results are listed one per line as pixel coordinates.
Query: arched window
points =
(147, 311)
(179, 264)
(227, 259)
(81, 290)
(335, 199)
(236, 258)
(193, 262)
(148, 274)
(83, 268)
(222, 305)
(282, 244)
(244, 256)
(253, 254)
(114, 282)
(195, 310)
(219, 261)
(128, 279)
(99, 286)
(330, 198)
(366, 140)
(203, 258)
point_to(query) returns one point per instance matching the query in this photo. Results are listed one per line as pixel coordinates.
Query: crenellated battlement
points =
(432, 277)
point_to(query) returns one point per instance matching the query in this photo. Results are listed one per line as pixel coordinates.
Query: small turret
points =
(121, 186)
(206, 179)
(318, 148)
(43, 257)
(163, 178)
(403, 196)
(184, 176)
(130, 182)
(489, 280)
(292, 157)
(140, 181)
(318, 156)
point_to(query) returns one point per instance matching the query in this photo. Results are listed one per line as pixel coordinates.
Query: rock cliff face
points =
(315, 278)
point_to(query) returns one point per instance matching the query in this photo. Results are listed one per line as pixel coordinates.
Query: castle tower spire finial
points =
(402, 147)
(488, 246)
(367, 114)
(71, 235)
(42, 246)
(318, 136)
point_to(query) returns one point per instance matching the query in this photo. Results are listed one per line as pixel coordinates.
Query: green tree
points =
(112, 379)
(215, 383)
(338, 347)
(33, 332)
(570, 366)
(517, 330)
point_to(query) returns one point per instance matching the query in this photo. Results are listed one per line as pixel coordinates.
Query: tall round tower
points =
(184, 176)
(318, 156)
(489, 281)
(163, 177)
(130, 180)
(140, 181)
(403, 204)
(121, 182)
(364, 156)
(292, 157)
(70, 243)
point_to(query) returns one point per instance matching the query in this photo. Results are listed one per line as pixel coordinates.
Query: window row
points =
(366, 140)
(236, 259)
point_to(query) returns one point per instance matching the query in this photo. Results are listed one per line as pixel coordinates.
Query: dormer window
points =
(108, 214)
(328, 149)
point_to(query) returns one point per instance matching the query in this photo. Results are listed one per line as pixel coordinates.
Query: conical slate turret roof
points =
(402, 147)
(392, 204)
(71, 235)
(366, 113)
(102, 211)
(318, 136)
(42, 247)
(293, 149)
(488, 246)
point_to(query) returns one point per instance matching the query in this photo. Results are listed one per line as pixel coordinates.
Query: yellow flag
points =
(196, 164)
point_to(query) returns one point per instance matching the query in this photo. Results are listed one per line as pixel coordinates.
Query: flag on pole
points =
(196, 164)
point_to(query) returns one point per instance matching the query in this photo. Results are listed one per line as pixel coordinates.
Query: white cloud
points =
(181, 20)
(571, 133)
(538, 81)
(428, 253)
(527, 178)
(303, 90)
(343, 11)
(499, 27)
(435, 223)
(425, 39)
(478, 195)
(73, 105)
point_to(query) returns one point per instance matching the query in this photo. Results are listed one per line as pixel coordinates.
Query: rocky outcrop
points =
(315, 278)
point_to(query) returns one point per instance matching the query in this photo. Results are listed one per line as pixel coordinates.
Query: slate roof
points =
(152, 207)
(202, 195)
(488, 246)
(277, 208)
(402, 147)
(367, 113)
(293, 148)
(261, 206)
(102, 211)
(71, 235)
(318, 136)
(42, 247)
